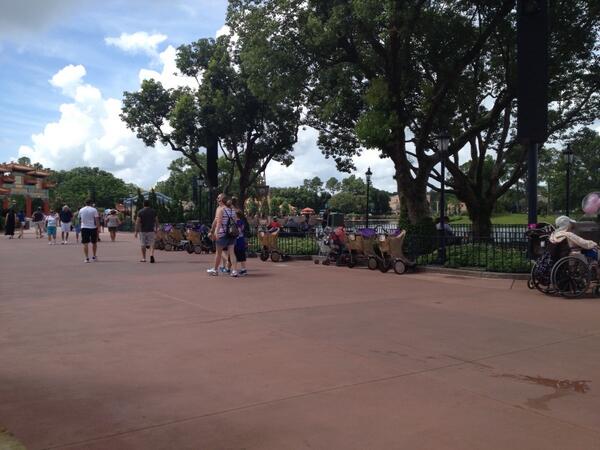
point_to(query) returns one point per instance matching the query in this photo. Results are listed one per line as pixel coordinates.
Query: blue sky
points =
(62, 83)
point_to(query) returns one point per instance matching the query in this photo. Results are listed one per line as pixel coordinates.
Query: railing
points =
(295, 243)
(500, 254)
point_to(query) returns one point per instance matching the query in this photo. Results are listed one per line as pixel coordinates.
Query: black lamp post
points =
(443, 141)
(568, 156)
(368, 175)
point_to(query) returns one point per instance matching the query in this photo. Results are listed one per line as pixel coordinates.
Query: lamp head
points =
(443, 142)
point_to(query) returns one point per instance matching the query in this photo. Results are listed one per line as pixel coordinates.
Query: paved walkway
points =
(123, 355)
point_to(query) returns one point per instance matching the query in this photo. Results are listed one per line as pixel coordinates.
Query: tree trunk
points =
(414, 196)
(481, 217)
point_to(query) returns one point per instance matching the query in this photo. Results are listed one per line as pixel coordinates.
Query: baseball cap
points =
(563, 222)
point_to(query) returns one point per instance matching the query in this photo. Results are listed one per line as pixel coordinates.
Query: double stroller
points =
(197, 240)
(382, 251)
(331, 250)
(169, 238)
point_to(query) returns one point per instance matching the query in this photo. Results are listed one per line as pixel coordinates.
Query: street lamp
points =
(368, 175)
(569, 157)
(443, 142)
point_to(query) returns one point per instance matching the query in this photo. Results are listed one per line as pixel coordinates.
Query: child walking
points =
(240, 243)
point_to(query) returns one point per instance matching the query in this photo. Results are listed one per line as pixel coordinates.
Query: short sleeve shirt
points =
(87, 216)
(147, 219)
(66, 216)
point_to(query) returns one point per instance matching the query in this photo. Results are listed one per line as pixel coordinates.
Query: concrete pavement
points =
(123, 355)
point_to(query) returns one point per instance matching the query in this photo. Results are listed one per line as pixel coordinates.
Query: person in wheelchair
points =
(563, 233)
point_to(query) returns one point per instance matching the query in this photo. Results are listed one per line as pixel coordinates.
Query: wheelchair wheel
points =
(275, 256)
(198, 249)
(383, 265)
(540, 280)
(571, 277)
(264, 255)
(399, 267)
(372, 263)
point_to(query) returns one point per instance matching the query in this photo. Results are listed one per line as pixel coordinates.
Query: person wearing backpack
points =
(224, 232)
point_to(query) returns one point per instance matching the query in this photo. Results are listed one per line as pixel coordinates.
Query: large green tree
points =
(74, 186)
(390, 75)
(252, 127)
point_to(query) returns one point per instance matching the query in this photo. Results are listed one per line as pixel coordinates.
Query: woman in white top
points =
(219, 233)
(113, 222)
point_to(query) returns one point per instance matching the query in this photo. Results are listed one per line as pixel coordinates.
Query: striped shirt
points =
(228, 215)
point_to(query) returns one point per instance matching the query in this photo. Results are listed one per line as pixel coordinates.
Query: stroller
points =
(361, 246)
(330, 249)
(198, 241)
(390, 252)
(173, 238)
(268, 246)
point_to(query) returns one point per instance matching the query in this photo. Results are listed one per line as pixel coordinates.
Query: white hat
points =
(563, 222)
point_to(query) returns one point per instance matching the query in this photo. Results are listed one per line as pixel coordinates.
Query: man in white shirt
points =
(90, 221)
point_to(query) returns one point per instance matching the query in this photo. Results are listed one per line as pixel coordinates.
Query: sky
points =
(66, 63)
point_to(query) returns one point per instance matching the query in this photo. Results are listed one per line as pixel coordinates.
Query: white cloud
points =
(170, 76)
(90, 132)
(223, 31)
(309, 162)
(68, 78)
(138, 42)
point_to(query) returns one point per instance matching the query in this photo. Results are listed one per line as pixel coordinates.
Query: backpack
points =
(232, 229)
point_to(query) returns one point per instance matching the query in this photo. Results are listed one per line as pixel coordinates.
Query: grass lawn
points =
(505, 219)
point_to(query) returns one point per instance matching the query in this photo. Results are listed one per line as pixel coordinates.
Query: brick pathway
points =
(123, 355)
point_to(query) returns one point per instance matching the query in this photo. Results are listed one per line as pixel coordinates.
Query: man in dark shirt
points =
(38, 222)
(65, 223)
(146, 225)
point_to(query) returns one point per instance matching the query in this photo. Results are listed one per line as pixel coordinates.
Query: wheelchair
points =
(559, 270)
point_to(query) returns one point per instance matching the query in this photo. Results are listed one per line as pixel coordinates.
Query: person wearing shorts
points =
(240, 243)
(146, 226)
(38, 223)
(219, 233)
(66, 216)
(52, 222)
(113, 222)
(90, 222)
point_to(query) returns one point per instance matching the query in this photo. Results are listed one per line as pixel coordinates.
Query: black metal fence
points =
(504, 251)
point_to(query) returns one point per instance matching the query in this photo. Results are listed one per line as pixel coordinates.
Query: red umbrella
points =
(307, 211)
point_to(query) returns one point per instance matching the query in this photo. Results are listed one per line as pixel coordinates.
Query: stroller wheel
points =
(351, 261)
(189, 248)
(264, 256)
(372, 263)
(275, 256)
(168, 247)
(530, 284)
(326, 262)
(383, 265)
(596, 291)
(399, 267)
(197, 249)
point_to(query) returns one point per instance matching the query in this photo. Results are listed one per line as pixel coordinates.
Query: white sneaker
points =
(212, 272)
(49, 243)
(86, 260)
(234, 274)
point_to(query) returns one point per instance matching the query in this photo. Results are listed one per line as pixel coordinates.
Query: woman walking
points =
(9, 223)
(21, 217)
(220, 232)
(52, 221)
(113, 222)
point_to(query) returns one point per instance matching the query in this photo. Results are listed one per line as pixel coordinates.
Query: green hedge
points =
(297, 246)
(490, 257)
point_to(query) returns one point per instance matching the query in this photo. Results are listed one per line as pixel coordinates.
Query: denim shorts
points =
(225, 242)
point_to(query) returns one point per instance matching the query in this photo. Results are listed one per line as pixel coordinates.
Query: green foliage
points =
(489, 257)
(75, 186)
(347, 203)
(251, 126)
